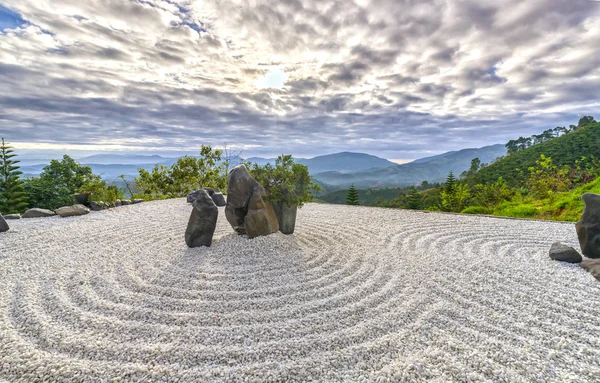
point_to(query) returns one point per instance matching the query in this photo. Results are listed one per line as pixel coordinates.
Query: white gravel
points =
(356, 295)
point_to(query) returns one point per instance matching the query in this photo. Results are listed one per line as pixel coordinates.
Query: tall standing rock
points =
(3, 224)
(286, 216)
(588, 227)
(203, 221)
(261, 218)
(239, 190)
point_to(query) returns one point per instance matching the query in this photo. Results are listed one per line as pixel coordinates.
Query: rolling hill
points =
(431, 169)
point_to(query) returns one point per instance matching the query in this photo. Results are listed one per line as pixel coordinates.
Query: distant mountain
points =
(344, 162)
(432, 169)
(123, 159)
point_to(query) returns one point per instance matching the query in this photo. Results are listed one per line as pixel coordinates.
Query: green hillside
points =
(563, 150)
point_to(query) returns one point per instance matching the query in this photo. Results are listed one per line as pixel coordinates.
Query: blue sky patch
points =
(9, 19)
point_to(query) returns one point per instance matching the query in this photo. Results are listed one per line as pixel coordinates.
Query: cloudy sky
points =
(396, 78)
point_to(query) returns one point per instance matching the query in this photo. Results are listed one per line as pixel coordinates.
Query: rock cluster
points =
(3, 224)
(203, 221)
(215, 194)
(564, 253)
(247, 211)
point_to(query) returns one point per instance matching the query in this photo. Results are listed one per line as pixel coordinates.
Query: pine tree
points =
(12, 194)
(352, 197)
(414, 200)
(450, 185)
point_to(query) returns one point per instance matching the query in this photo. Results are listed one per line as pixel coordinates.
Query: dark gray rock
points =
(136, 201)
(118, 203)
(218, 198)
(38, 213)
(72, 211)
(240, 189)
(210, 191)
(81, 199)
(286, 216)
(260, 218)
(203, 221)
(125, 202)
(3, 224)
(97, 205)
(593, 266)
(192, 196)
(12, 216)
(588, 227)
(564, 253)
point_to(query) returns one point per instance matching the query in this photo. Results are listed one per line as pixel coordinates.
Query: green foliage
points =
(510, 209)
(352, 197)
(57, 183)
(475, 210)
(564, 150)
(100, 191)
(286, 182)
(12, 194)
(454, 195)
(183, 177)
(414, 200)
(586, 120)
(545, 179)
(490, 195)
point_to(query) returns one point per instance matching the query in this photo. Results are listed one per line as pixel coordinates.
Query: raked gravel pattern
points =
(356, 295)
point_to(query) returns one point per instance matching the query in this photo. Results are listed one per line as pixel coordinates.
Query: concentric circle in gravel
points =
(356, 295)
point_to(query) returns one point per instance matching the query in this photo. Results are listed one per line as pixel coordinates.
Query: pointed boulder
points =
(203, 221)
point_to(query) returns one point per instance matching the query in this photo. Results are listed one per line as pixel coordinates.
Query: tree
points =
(184, 176)
(450, 184)
(58, 182)
(546, 178)
(352, 197)
(489, 195)
(414, 200)
(454, 195)
(12, 194)
(586, 120)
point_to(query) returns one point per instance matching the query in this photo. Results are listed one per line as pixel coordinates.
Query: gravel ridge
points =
(357, 294)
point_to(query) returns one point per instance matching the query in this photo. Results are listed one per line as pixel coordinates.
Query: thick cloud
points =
(396, 78)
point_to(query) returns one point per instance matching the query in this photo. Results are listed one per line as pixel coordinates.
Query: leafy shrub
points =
(98, 190)
(286, 182)
(518, 211)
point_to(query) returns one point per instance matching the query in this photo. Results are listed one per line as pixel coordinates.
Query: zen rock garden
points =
(65, 211)
(247, 210)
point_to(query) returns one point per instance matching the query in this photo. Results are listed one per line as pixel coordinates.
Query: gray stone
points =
(97, 205)
(38, 213)
(260, 218)
(82, 198)
(210, 191)
(239, 191)
(588, 227)
(593, 266)
(286, 216)
(12, 216)
(192, 196)
(203, 221)
(218, 198)
(136, 201)
(564, 253)
(72, 211)
(3, 224)
(125, 202)
(118, 203)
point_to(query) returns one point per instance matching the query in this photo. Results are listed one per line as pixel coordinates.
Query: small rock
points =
(3, 224)
(218, 198)
(203, 221)
(97, 205)
(38, 213)
(12, 216)
(588, 227)
(125, 202)
(564, 253)
(593, 266)
(118, 203)
(72, 211)
(136, 201)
